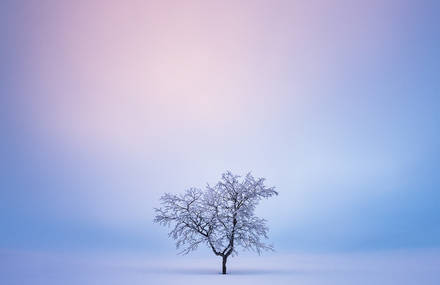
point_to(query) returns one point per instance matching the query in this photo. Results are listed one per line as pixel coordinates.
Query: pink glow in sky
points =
(124, 74)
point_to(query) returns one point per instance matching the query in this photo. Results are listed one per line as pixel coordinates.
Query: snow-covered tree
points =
(221, 216)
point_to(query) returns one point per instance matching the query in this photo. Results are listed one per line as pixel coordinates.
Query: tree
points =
(221, 217)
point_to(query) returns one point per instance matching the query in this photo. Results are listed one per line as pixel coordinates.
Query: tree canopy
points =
(220, 216)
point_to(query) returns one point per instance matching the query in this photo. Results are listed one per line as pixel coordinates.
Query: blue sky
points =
(337, 106)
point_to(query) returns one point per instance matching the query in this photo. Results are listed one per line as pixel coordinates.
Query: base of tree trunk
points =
(224, 265)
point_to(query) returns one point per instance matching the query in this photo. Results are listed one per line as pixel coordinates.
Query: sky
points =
(106, 105)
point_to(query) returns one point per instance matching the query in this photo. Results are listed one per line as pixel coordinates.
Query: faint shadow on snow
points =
(265, 272)
(209, 271)
(179, 271)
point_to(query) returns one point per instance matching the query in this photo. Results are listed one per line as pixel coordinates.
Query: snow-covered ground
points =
(397, 267)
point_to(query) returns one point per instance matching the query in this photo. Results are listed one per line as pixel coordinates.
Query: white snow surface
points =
(390, 267)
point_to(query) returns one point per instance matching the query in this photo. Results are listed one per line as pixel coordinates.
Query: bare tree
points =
(221, 217)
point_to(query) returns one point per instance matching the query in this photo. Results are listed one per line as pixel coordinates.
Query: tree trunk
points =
(225, 258)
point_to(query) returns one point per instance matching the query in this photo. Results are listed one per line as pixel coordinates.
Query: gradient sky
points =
(105, 105)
